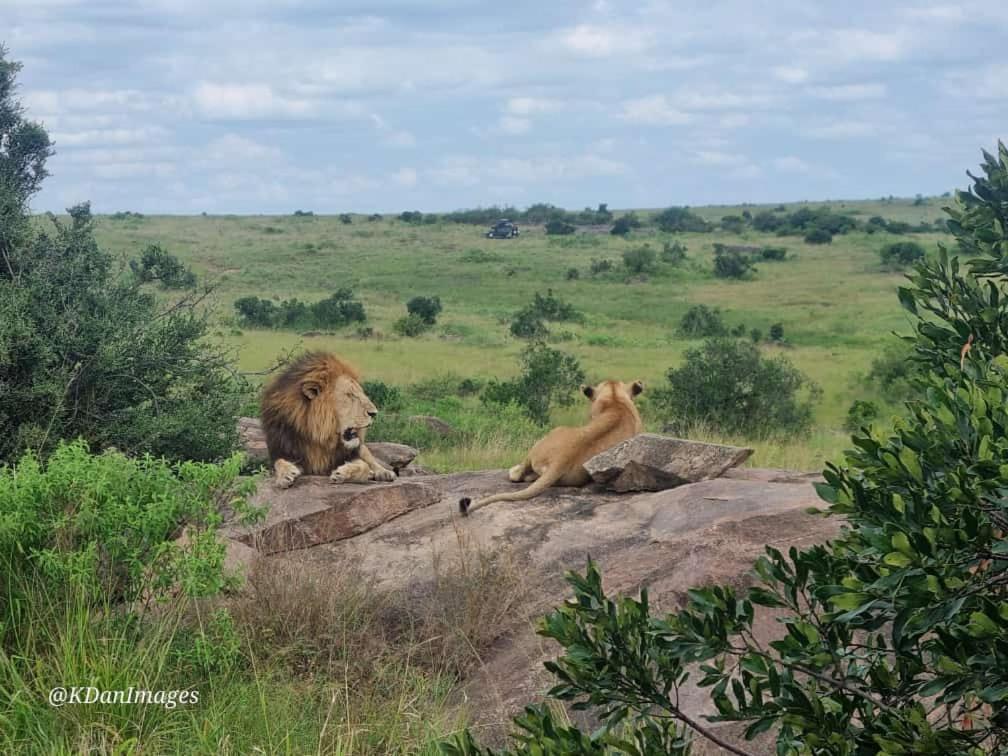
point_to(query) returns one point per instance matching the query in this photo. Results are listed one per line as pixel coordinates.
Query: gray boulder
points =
(651, 462)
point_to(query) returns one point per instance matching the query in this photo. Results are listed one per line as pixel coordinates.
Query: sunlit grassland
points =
(837, 305)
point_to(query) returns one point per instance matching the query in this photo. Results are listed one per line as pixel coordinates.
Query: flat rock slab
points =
(253, 441)
(652, 462)
(315, 511)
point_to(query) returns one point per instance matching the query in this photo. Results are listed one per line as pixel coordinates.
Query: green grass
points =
(836, 303)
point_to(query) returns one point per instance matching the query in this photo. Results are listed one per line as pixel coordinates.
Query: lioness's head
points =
(341, 399)
(610, 392)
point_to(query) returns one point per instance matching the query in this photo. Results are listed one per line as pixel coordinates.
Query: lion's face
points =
(607, 392)
(344, 397)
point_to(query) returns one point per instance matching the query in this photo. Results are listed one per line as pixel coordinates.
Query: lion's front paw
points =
(384, 475)
(337, 477)
(285, 473)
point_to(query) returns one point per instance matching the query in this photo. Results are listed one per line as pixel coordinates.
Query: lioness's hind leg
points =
(285, 473)
(517, 473)
(355, 471)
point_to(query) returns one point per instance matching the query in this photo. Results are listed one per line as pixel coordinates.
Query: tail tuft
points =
(464, 503)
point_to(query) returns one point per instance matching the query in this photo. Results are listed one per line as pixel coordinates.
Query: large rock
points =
(253, 441)
(315, 511)
(651, 462)
(435, 424)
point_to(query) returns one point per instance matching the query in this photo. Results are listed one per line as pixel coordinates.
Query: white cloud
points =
(92, 137)
(655, 110)
(512, 125)
(791, 164)
(405, 177)
(247, 101)
(525, 106)
(236, 148)
(791, 74)
(850, 92)
(605, 41)
(840, 130)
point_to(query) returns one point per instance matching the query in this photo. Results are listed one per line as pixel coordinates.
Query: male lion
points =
(558, 458)
(314, 415)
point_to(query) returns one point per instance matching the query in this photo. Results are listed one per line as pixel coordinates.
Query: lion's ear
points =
(637, 388)
(588, 391)
(310, 389)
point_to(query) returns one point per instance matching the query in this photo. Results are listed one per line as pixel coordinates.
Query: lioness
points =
(558, 458)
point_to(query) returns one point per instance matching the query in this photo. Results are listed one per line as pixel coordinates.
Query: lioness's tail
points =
(541, 483)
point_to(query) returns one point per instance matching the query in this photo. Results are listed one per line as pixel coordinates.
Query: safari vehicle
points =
(503, 229)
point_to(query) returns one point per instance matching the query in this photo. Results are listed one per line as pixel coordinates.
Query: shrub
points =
(773, 253)
(338, 310)
(573, 274)
(411, 216)
(675, 219)
(731, 264)
(303, 214)
(901, 254)
(894, 369)
(425, 308)
(733, 224)
(107, 524)
(548, 377)
(527, 324)
(410, 325)
(157, 265)
(777, 333)
(559, 228)
(625, 224)
(701, 321)
(84, 349)
(727, 384)
(552, 307)
(386, 397)
(640, 260)
(600, 266)
(818, 236)
(756, 335)
(346, 218)
(860, 414)
(673, 252)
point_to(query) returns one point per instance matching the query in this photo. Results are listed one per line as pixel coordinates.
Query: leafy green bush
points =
(640, 260)
(560, 228)
(108, 523)
(411, 325)
(773, 253)
(818, 236)
(860, 414)
(625, 224)
(675, 219)
(901, 254)
(573, 274)
(673, 252)
(732, 264)
(526, 324)
(346, 218)
(386, 397)
(157, 265)
(728, 385)
(756, 335)
(733, 224)
(600, 266)
(548, 377)
(701, 321)
(425, 308)
(411, 216)
(777, 332)
(338, 310)
(893, 371)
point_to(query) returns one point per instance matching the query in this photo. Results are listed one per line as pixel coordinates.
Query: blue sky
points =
(254, 106)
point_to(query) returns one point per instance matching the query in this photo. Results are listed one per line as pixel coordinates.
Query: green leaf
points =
(897, 559)
(848, 601)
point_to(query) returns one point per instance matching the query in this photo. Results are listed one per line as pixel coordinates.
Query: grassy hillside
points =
(837, 305)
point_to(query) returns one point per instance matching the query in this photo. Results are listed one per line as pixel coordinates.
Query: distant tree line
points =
(335, 311)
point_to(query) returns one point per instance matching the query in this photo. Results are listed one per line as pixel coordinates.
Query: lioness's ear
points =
(637, 388)
(310, 389)
(588, 391)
